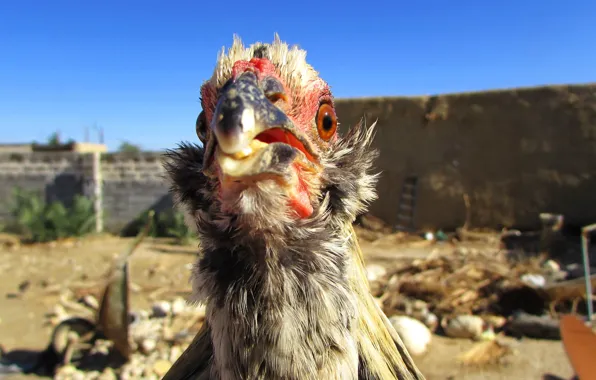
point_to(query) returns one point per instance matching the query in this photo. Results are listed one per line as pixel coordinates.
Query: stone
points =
(161, 309)
(107, 374)
(431, 321)
(375, 272)
(91, 302)
(161, 367)
(464, 326)
(179, 305)
(68, 369)
(148, 345)
(175, 353)
(414, 334)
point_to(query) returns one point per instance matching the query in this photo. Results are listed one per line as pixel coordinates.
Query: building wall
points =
(515, 153)
(132, 183)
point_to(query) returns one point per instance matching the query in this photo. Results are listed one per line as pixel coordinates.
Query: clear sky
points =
(135, 67)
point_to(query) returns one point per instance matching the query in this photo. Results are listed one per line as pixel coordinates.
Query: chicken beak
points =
(242, 113)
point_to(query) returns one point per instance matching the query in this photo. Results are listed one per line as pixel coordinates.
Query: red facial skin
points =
(302, 106)
(300, 202)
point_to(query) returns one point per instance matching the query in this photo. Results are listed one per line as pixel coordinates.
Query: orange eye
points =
(326, 121)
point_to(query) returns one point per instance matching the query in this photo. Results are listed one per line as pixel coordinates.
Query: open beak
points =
(252, 136)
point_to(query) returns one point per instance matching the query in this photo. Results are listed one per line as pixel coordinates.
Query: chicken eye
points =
(202, 127)
(276, 96)
(326, 121)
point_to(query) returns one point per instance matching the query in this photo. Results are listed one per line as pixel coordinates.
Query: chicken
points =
(272, 194)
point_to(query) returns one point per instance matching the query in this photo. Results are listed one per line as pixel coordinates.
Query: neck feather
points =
(279, 310)
(279, 301)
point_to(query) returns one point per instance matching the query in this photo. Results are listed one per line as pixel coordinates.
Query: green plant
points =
(40, 222)
(176, 227)
(168, 224)
(54, 139)
(28, 210)
(127, 147)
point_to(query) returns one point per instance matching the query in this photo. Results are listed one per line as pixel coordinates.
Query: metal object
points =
(98, 192)
(72, 338)
(580, 345)
(586, 230)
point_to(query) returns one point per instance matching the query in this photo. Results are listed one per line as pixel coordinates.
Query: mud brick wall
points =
(516, 153)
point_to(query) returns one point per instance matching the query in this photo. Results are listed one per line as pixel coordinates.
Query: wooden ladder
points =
(407, 205)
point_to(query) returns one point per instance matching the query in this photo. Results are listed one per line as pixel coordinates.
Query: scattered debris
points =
(464, 282)
(486, 352)
(476, 290)
(464, 326)
(104, 340)
(541, 327)
(154, 341)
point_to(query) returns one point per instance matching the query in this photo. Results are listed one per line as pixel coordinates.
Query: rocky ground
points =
(42, 284)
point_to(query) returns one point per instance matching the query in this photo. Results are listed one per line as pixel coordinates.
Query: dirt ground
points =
(32, 276)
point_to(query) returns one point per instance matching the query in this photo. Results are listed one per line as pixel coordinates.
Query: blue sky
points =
(135, 67)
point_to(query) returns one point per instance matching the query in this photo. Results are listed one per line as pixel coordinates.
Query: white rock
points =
(533, 280)
(552, 266)
(431, 321)
(415, 335)
(178, 305)
(161, 309)
(91, 302)
(419, 306)
(374, 272)
(148, 329)
(108, 374)
(143, 314)
(66, 370)
(60, 312)
(93, 375)
(148, 346)
(464, 326)
(175, 353)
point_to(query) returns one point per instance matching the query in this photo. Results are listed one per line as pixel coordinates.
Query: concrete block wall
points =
(58, 176)
(132, 183)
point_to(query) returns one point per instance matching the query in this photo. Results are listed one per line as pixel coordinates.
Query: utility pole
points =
(98, 192)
